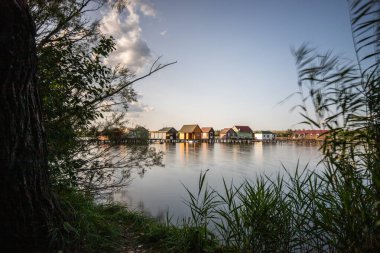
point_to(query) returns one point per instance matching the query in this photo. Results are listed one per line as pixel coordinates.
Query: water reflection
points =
(161, 189)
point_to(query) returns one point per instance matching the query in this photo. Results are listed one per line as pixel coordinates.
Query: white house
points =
(166, 133)
(265, 136)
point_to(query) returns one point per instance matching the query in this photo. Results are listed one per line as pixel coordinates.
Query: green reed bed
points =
(307, 212)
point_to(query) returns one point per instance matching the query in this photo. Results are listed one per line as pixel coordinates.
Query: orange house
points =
(190, 132)
(208, 133)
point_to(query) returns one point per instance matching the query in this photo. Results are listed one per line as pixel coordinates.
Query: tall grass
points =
(309, 212)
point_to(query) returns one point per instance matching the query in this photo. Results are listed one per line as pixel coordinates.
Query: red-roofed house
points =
(243, 132)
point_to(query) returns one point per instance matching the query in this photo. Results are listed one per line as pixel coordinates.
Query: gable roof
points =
(188, 128)
(207, 129)
(225, 130)
(138, 128)
(167, 129)
(246, 129)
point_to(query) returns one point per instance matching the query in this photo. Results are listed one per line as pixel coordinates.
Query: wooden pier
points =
(279, 140)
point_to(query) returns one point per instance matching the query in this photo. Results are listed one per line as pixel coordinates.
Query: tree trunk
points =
(27, 207)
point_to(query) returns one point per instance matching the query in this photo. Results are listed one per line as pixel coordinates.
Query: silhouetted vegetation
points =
(331, 210)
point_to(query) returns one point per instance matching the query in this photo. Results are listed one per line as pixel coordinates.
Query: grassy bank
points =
(114, 228)
(307, 212)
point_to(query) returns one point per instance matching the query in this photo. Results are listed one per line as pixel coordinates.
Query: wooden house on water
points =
(208, 133)
(190, 132)
(110, 134)
(227, 134)
(265, 135)
(243, 132)
(166, 133)
(139, 132)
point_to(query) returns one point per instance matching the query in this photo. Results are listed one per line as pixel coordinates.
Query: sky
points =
(234, 61)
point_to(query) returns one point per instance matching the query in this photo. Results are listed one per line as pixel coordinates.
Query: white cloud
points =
(134, 111)
(131, 50)
(147, 9)
(163, 33)
(138, 107)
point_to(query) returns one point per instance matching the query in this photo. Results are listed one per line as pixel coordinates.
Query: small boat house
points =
(208, 133)
(190, 132)
(166, 133)
(243, 132)
(265, 135)
(227, 134)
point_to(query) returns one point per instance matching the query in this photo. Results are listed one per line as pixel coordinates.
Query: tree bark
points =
(27, 207)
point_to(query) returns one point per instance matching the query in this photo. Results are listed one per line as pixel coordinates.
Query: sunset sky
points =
(234, 57)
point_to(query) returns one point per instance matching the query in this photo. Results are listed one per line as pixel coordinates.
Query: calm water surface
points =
(161, 189)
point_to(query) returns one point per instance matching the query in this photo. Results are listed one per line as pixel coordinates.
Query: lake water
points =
(161, 189)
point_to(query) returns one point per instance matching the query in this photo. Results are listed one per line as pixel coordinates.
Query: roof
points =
(167, 129)
(310, 131)
(188, 128)
(225, 130)
(133, 129)
(207, 129)
(246, 129)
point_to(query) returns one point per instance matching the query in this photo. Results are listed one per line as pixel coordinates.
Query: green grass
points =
(91, 227)
(94, 227)
(308, 212)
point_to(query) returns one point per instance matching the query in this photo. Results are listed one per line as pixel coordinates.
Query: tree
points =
(28, 209)
(77, 87)
(70, 51)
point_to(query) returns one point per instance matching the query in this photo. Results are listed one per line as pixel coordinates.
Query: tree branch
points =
(152, 70)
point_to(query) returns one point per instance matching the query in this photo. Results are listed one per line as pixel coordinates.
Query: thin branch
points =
(151, 71)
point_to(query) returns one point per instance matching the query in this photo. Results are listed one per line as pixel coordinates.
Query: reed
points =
(309, 212)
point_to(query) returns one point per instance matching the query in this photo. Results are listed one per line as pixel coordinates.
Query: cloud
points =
(147, 9)
(138, 107)
(131, 50)
(163, 33)
(135, 110)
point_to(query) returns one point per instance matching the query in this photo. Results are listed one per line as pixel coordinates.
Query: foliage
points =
(78, 89)
(94, 228)
(308, 212)
(202, 207)
(285, 133)
(138, 132)
(346, 99)
(335, 210)
(105, 168)
(58, 20)
(97, 227)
